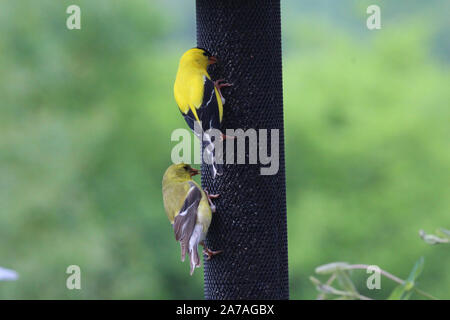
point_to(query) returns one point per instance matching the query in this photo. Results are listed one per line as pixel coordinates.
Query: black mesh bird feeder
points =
(250, 222)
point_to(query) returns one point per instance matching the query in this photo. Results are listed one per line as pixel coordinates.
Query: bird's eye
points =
(205, 54)
(186, 168)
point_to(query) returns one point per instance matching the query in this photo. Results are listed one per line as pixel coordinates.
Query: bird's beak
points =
(212, 60)
(194, 172)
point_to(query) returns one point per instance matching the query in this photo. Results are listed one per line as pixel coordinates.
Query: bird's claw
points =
(219, 85)
(210, 253)
(211, 196)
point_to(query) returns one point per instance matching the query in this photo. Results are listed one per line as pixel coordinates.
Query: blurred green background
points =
(85, 123)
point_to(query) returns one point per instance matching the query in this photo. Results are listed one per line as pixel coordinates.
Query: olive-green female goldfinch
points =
(199, 98)
(189, 210)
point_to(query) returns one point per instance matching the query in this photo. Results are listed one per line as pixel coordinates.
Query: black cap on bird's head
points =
(211, 59)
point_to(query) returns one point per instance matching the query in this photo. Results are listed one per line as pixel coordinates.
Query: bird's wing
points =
(209, 112)
(184, 222)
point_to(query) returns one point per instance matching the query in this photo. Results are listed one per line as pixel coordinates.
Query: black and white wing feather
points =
(184, 224)
(208, 112)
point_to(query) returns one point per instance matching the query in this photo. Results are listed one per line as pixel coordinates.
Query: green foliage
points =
(404, 291)
(85, 124)
(346, 288)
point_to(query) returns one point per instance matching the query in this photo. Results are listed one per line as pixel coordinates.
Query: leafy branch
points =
(347, 290)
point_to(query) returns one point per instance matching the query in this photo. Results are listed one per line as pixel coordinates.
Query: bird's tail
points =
(209, 154)
(194, 259)
(193, 247)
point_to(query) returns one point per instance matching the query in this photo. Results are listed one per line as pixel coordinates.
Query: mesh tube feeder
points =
(250, 222)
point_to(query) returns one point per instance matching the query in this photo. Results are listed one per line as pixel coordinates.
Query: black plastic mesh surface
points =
(250, 222)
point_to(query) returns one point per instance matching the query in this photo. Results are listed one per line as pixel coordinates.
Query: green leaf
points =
(416, 271)
(404, 291)
(397, 293)
(407, 295)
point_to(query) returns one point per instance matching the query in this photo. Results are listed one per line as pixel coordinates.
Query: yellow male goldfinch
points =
(189, 210)
(199, 98)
